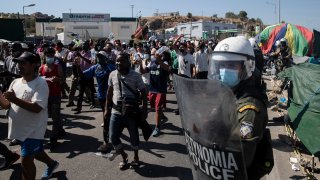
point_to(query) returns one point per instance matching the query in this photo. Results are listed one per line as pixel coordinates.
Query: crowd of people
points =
(128, 76)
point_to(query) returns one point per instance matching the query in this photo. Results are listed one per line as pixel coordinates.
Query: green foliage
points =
(243, 14)
(215, 15)
(230, 15)
(189, 15)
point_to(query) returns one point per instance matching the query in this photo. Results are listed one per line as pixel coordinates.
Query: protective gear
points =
(233, 50)
(49, 60)
(229, 77)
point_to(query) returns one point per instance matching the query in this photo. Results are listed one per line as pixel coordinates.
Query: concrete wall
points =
(123, 29)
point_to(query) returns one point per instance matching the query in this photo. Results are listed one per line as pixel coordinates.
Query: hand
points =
(10, 96)
(55, 79)
(107, 114)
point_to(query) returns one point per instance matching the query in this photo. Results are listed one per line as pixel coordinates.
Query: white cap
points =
(103, 53)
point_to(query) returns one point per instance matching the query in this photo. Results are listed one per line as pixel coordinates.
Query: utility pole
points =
(279, 11)
(132, 10)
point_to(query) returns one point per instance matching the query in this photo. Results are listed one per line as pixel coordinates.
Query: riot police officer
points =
(232, 62)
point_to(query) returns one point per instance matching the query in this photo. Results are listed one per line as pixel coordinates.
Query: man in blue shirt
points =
(101, 71)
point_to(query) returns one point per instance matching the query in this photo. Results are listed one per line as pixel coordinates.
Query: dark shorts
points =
(30, 147)
(157, 100)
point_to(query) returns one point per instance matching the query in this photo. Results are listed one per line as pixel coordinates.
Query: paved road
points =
(163, 157)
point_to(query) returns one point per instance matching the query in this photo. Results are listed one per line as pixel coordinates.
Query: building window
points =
(125, 27)
(195, 27)
(85, 27)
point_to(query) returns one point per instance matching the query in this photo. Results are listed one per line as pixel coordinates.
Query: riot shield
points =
(212, 132)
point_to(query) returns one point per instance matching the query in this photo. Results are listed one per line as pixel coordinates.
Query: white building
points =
(123, 27)
(48, 27)
(86, 25)
(200, 28)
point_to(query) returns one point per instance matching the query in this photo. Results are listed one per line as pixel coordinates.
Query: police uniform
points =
(252, 116)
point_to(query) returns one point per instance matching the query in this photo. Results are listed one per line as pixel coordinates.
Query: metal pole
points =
(279, 11)
(24, 23)
(132, 10)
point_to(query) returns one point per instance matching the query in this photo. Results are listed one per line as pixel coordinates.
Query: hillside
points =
(158, 23)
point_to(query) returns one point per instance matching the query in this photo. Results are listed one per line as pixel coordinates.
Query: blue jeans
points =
(117, 124)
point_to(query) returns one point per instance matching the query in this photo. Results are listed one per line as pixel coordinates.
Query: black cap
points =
(26, 57)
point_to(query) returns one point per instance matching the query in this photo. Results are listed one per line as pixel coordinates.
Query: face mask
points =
(229, 77)
(49, 60)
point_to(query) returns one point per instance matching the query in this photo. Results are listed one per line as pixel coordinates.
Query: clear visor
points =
(225, 61)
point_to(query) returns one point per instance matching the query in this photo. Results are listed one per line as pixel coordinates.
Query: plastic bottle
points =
(273, 70)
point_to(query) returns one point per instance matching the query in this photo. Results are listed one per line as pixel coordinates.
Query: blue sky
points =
(300, 12)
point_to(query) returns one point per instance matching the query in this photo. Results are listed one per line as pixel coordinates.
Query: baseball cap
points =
(103, 53)
(26, 57)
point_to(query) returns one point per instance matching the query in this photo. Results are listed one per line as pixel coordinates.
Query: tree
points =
(215, 15)
(230, 15)
(258, 20)
(189, 15)
(243, 14)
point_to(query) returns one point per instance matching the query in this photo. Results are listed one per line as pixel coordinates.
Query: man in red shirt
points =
(53, 74)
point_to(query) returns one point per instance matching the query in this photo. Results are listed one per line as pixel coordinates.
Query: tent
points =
(304, 106)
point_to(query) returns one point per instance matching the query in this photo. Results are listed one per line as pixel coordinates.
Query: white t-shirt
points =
(25, 124)
(132, 79)
(201, 61)
(145, 76)
(184, 64)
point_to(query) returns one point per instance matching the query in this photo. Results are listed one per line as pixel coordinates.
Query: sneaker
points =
(70, 104)
(103, 148)
(49, 171)
(11, 160)
(156, 132)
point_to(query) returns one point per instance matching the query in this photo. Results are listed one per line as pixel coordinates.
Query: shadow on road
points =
(157, 171)
(76, 144)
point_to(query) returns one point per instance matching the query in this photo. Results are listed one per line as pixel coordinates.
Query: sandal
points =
(123, 164)
(134, 164)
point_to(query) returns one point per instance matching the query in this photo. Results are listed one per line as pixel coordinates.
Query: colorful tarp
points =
(299, 38)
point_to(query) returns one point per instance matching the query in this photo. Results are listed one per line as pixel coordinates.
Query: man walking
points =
(27, 99)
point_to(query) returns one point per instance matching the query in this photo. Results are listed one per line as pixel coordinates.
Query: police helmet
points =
(234, 50)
